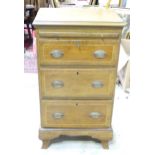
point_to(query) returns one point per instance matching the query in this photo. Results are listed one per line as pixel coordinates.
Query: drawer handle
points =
(97, 84)
(95, 114)
(100, 54)
(57, 53)
(57, 84)
(58, 115)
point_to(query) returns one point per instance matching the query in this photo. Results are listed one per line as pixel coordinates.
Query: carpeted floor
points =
(30, 57)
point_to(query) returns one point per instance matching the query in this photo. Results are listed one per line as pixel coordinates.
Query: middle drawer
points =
(77, 83)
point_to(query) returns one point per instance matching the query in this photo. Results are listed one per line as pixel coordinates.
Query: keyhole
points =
(77, 43)
(77, 73)
(76, 104)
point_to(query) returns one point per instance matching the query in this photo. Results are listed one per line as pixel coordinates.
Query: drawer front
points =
(77, 83)
(77, 113)
(77, 52)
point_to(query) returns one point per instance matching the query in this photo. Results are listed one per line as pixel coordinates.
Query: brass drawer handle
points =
(57, 53)
(57, 84)
(95, 114)
(100, 54)
(97, 84)
(58, 115)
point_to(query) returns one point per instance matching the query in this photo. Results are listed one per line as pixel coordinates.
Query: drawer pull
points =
(97, 84)
(57, 84)
(95, 114)
(100, 54)
(57, 53)
(58, 115)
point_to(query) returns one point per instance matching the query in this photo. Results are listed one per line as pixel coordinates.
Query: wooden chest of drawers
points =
(78, 51)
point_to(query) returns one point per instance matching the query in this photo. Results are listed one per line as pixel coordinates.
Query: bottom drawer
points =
(76, 114)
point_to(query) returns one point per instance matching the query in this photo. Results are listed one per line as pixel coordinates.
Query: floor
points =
(67, 146)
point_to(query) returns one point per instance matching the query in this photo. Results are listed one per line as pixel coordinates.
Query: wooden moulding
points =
(48, 134)
(78, 34)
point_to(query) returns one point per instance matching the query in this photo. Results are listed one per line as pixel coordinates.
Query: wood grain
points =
(77, 83)
(76, 114)
(77, 89)
(104, 135)
(78, 52)
(78, 16)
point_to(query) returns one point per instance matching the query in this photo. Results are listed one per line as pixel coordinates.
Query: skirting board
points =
(48, 134)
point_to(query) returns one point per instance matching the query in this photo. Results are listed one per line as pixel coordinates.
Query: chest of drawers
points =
(77, 50)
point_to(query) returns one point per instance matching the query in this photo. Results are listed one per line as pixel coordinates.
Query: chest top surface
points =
(92, 16)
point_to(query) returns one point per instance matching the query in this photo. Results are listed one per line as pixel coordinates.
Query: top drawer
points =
(77, 52)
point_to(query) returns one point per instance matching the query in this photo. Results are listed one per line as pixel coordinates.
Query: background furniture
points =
(77, 69)
(112, 3)
(71, 3)
(30, 10)
(37, 3)
(124, 64)
(124, 67)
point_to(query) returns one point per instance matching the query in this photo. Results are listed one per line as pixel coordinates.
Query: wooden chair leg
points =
(29, 31)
